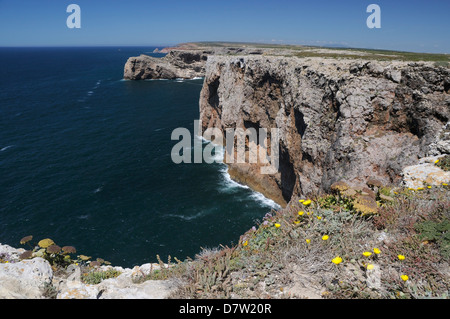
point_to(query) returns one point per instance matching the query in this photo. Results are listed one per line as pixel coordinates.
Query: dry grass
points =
(286, 256)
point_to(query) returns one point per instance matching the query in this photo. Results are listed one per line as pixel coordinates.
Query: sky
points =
(418, 26)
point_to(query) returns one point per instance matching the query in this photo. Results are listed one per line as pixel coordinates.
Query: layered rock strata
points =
(338, 120)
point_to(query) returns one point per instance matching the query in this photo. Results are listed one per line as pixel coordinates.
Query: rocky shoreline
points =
(36, 279)
(341, 121)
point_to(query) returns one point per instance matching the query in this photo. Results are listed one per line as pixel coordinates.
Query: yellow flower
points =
(319, 217)
(376, 251)
(404, 277)
(367, 253)
(436, 161)
(277, 225)
(308, 213)
(444, 184)
(307, 202)
(296, 222)
(370, 266)
(325, 237)
(301, 200)
(337, 260)
(245, 243)
(308, 241)
(300, 213)
(429, 186)
(401, 257)
(419, 188)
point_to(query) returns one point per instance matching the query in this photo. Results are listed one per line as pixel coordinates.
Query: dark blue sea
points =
(85, 160)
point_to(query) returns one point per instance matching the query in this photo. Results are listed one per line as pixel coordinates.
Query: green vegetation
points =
(95, 277)
(444, 163)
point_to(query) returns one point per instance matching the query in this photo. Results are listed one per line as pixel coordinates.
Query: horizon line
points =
(224, 42)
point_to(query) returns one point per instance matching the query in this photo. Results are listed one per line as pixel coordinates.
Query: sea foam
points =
(229, 184)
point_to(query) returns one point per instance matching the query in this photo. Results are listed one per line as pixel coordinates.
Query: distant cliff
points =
(185, 61)
(176, 64)
(339, 119)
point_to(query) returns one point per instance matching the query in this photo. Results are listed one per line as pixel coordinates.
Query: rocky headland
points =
(350, 122)
(341, 114)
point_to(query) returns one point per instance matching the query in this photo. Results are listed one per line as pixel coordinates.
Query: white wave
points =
(197, 78)
(98, 190)
(185, 217)
(230, 185)
(264, 200)
(5, 148)
(228, 182)
(204, 140)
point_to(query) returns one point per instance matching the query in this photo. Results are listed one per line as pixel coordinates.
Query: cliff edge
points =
(338, 119)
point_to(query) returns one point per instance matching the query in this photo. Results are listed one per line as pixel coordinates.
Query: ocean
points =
(85, 160)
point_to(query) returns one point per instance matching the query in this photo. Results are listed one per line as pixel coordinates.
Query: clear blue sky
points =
(422, 26)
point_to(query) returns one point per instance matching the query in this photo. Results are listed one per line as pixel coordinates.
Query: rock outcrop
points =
(176, 64)
(185, 61)
(34, 278)
(338, 119)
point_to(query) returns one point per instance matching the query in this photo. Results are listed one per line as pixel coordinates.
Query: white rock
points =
(25, 279)
(426, 172)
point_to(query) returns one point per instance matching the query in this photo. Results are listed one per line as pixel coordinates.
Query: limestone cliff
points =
(185, 61)
(176, 64)
(339, 119)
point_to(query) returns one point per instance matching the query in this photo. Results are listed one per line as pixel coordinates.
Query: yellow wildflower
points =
(370, 266)
(436, 161)
(277, 225)
(429, 186)
(325, 237)
(319, 217)
(337, 260)
(301, 200)
(367, 253)
(308, 241)
(376, 251)
(300, 213)
(401, 257)
(419, 188)
(307, 202)
(404, 277)
(296, 222)
(444, 184)
(245, 243)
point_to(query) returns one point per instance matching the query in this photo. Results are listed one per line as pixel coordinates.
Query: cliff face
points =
(176, 64)
(338, 119)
